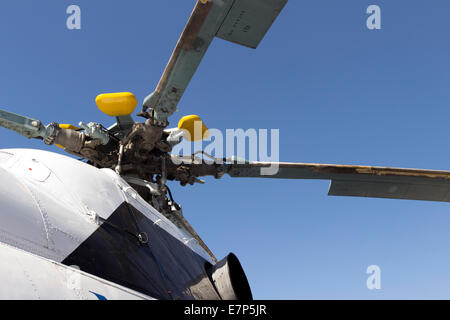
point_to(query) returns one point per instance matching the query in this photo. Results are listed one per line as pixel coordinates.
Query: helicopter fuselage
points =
(68, 212)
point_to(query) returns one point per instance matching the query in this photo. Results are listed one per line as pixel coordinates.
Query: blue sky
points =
(338, 92)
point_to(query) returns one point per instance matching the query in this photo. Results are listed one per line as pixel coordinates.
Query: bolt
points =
(35, 123)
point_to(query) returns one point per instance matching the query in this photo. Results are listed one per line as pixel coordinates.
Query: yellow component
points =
(67, 127)
(203, 1)
(195, 126)
(116, 104)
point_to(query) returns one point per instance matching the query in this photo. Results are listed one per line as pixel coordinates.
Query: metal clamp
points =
(52, 130)
(95, 131)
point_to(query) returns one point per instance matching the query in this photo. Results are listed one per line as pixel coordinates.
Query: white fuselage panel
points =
(25, 276)
(50, 203)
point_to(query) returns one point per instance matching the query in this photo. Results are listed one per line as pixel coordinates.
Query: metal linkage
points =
(95, 131)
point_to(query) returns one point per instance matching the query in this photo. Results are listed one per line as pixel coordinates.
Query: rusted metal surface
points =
(194, 24)
(396, 189)
(359, 181)
(202, 27)
(379, 171)
(351, 169)
(187, 38)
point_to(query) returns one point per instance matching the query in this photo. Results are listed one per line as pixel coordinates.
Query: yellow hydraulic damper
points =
(67, 127)
(116, 104)
(195, 127)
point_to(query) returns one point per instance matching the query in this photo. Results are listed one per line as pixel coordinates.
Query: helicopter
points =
(113, 215)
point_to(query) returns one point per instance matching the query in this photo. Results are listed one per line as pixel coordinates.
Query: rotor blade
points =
(27, 127)
(359, 181)
(240, 21)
